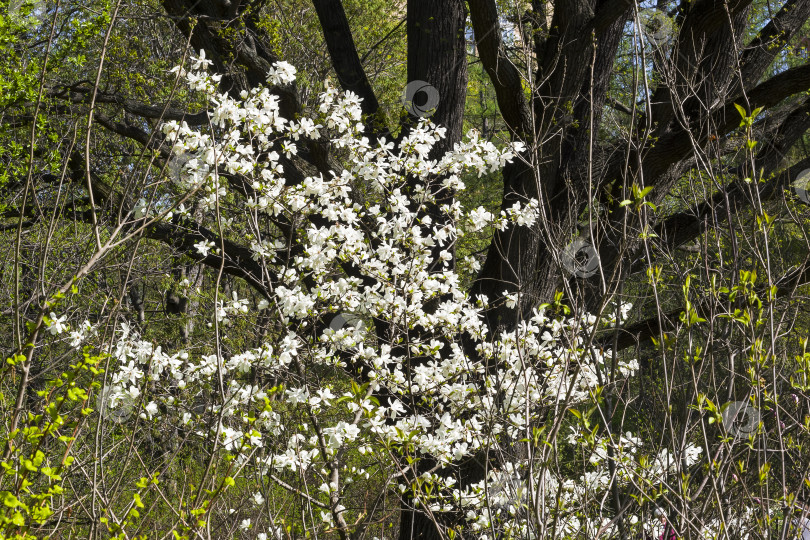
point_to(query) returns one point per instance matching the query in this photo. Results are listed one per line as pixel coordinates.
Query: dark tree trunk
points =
(437, 55)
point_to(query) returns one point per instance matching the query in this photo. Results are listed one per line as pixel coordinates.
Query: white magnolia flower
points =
(57, 324)
(230, 438)
(151, 409)
(281, 73)
(203, 246)
(141, 209)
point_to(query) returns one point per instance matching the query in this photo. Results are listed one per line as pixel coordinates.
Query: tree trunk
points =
(437, 55)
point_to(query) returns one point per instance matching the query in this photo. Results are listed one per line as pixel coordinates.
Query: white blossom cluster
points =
(377, 244)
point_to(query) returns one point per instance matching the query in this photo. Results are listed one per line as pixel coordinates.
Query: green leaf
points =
(10, 500)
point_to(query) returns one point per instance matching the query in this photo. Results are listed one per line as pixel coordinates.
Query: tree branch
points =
(249, 53)
(682, 227)
(643, 331)
(771, 40)
(678, 144)
(345, 60)
(182, 234)
(137, 108)
(503, 74)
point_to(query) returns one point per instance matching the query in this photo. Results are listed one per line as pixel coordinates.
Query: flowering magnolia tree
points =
(370, 291)
(281, 318)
